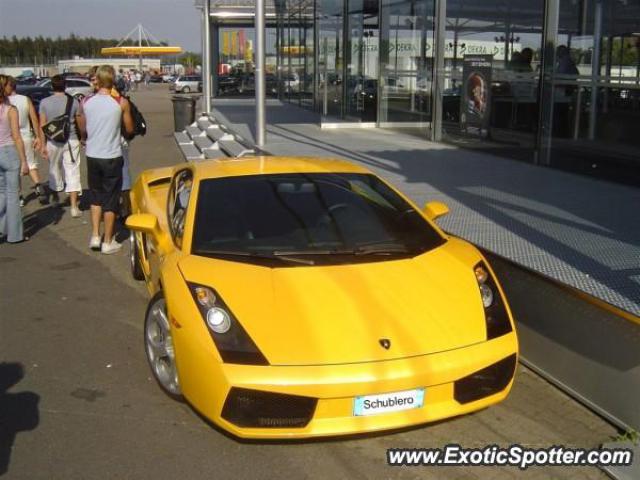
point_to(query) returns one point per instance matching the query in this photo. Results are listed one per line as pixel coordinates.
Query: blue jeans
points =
(10, 215)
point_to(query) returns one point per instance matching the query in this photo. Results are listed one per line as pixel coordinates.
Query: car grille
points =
(485, 382)
(256, 409)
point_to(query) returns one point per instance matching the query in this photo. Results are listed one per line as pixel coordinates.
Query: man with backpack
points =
(102, 118)
(58, 119)
(140, 128)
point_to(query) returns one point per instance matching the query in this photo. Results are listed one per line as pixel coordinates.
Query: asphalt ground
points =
(77, 400)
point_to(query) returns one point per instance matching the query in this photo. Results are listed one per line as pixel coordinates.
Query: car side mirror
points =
(435, 210)
(147, 223)
(142, 222)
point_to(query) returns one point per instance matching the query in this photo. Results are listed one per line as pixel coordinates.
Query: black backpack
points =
(58, 129)
(121, 86)
(139, 123)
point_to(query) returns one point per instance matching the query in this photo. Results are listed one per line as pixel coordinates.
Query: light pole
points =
(259, 75)
(206, 58)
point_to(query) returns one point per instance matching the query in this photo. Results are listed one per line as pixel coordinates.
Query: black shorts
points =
(105, 182)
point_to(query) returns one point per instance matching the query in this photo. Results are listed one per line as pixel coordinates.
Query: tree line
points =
(45, 50)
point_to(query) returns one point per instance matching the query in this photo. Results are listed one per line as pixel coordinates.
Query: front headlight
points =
(216, 317)
(495, 312)
(218, 320)
(231, 340)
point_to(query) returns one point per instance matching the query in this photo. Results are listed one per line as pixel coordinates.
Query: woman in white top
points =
(28, 120)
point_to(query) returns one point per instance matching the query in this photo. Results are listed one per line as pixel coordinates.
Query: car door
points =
(177, 203)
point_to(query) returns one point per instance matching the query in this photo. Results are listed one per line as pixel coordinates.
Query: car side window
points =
(177, 203)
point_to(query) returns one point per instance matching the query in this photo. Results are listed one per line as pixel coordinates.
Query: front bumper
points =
(336, 386)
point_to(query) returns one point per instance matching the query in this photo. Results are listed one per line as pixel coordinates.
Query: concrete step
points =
(214, 153)
(203, 123)
(182, 138)
(194, 131)
(217, 134)
(202, 142)
(191, 152)
(233, 148)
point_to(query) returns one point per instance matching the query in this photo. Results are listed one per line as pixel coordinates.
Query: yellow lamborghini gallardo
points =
(296, 297)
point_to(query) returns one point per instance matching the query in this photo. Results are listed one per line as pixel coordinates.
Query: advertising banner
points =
(475, 105)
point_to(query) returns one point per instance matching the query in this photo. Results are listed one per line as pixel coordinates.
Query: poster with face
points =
(475, 107)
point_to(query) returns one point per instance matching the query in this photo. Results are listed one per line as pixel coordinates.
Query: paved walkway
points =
(580, 231)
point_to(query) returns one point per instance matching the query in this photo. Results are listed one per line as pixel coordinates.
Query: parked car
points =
(291, 82)
(247, 84)
(227, 84)
(71, 75)
(31, 80)
(155, 79)
(169, 77)
(76, 87)
(363, 315)
(187, 84)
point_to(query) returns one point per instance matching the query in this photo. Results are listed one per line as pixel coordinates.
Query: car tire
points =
(186, 90)
(134, 258)
(158, 347)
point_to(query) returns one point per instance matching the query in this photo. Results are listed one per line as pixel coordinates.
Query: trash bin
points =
(184, 112)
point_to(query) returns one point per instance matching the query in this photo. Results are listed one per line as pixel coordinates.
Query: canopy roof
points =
(138, 50)
(147, 44)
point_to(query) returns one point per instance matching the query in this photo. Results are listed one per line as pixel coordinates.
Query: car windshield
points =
(321, 218)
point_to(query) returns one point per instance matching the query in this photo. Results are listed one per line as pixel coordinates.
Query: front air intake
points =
(485, 382)
(256, 409)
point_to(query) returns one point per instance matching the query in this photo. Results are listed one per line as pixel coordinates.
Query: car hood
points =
(319, 315)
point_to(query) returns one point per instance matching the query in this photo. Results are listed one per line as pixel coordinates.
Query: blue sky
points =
(176, 21)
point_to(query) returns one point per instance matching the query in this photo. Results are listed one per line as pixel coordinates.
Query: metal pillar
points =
(206, 58)
(438, 71)
(259, 75)
(595, 67)
(140, 45)
(545, 119)
(215, 58)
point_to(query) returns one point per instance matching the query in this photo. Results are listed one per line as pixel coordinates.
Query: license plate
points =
(388, 402)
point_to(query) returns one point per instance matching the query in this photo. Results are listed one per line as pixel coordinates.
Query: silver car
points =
(76, 87)
(187, 84)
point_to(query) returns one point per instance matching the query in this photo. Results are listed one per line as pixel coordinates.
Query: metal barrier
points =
(586, 347)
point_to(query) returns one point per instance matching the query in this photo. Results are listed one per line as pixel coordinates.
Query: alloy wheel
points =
(159, 346)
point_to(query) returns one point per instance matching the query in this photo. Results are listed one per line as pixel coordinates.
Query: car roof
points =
(272, 165)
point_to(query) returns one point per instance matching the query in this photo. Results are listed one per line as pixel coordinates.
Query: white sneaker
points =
(112, 247)
(75, 212)
(94, 243)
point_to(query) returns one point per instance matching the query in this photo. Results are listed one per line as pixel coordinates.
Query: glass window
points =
(328, 215)
(330, 23)
(406, 63)
(362, 60)
(593, 93)
(491, 75)
(177, 204)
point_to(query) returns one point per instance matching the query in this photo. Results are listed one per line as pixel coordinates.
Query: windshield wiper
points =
(240, 253)
(389, 249)
(377, 248)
